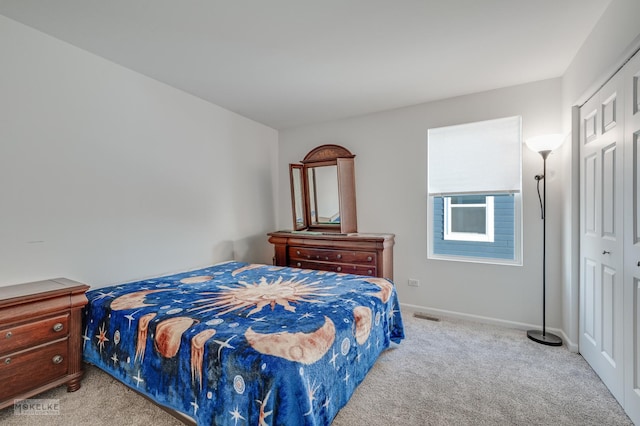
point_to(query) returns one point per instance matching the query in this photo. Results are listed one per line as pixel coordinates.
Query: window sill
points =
(485, 260)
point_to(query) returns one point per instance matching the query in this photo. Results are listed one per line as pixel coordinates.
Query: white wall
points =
(107, 175)
(610, 43)
(390, 150)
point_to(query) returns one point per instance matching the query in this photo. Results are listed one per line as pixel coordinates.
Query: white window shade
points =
(475, 158)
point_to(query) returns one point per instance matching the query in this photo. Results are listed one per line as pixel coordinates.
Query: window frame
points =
(517, 239)
(487, 236)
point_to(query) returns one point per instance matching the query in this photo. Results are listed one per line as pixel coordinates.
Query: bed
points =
(238, 343)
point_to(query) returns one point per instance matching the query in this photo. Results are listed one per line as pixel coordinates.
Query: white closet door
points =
(601, 225)
(632, 240)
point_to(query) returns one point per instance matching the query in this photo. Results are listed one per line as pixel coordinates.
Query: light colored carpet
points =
(450, 372)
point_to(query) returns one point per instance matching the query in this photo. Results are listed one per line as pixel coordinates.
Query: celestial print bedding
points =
(244, 344)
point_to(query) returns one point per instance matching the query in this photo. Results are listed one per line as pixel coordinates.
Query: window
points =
(473, 246)
(474, 181)
(468, 218)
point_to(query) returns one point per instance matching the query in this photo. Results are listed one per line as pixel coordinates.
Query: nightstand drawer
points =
(328, 255)
(29, 369)
(33, 333)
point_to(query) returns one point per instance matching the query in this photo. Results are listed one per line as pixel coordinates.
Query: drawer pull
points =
(308, 256)
(298, 264)
(57, 359)
(369, 272)
(58, 327)
(369, 259)
(339, 268)
(298, 252)
(339, 256)
(8, 335)
(7, 361)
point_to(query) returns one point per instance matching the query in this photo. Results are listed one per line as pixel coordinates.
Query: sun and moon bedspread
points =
(244, 344)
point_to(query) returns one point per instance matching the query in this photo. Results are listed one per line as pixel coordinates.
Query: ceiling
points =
(287, 63)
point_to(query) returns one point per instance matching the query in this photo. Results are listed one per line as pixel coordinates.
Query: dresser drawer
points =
(328, 255)
(344, 268)
(33, 333)
(31, 368)
(364, 254)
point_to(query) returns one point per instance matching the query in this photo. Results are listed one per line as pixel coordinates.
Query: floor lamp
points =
(544, 145)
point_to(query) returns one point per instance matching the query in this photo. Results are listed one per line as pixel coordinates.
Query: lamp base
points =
(546, 338)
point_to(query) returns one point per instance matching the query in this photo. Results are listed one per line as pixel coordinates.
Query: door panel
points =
(609, 113)
(608, 315)
(589, 302)
(635, 343)
(634, 198)
(610, 235)
(609, 192)
(590, 194)
(631, 74)
(590, 127)
(601, 253)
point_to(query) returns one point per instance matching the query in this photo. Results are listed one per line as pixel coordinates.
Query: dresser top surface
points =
(333, 235)
(20, 293)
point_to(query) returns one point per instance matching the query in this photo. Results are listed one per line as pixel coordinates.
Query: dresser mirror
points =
(323, 195)
(323, 191)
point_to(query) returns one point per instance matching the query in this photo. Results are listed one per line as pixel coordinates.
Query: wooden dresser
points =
(40, 337)
(362, 254)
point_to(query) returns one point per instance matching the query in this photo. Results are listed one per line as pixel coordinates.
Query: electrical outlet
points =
(413, 282)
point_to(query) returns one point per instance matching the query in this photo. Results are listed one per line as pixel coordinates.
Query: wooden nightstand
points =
(40, 337)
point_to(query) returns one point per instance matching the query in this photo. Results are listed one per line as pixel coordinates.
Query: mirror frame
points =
(293, 169)
(343, 159)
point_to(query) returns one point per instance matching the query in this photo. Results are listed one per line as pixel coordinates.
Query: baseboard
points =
(571, 346)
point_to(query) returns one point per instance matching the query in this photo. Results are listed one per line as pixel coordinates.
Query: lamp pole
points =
(544, 154)
(535, 335)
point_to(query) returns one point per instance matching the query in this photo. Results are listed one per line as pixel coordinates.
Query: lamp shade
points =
(545, 143)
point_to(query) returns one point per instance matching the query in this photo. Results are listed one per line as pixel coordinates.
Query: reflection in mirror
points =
(323, 190)
(295, 174)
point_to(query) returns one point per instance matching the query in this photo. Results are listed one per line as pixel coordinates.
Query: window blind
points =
(475, 158)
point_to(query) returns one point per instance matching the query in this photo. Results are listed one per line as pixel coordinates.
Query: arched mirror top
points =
(327, 153)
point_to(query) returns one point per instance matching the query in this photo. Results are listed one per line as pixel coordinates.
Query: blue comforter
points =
(237, 344)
